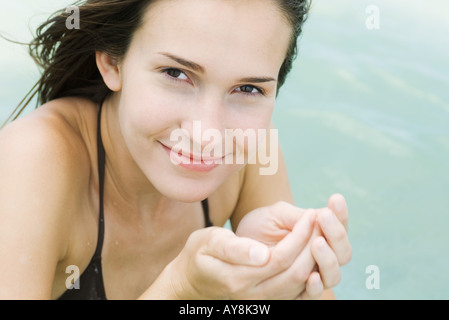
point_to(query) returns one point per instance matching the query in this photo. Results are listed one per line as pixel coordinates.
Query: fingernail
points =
(258, 255)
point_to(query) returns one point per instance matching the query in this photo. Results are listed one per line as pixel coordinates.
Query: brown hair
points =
(67, 57)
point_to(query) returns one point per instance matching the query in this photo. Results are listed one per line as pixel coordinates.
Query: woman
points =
(92, 183)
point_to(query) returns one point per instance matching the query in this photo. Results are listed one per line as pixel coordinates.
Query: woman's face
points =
(196, 67)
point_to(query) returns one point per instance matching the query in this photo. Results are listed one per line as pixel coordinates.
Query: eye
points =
(250, 90)
(175, 74)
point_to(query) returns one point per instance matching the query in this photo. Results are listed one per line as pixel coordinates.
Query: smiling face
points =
(213, 63)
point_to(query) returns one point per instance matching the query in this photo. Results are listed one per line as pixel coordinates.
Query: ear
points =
(109, 70)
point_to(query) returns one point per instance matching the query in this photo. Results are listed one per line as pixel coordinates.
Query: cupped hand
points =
(277, 252)
(217, 264)
(328, 248)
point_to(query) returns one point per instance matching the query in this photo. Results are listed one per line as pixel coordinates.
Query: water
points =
(364, 113)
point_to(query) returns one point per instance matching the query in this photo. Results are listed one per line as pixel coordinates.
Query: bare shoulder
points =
(53, 136)
(44, 168)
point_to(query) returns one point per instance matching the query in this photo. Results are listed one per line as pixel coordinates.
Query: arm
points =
(34, 195)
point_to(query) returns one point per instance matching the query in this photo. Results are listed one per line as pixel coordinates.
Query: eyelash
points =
(260, 91)
(167, 70)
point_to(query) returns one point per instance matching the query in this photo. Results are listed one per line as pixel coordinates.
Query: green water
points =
(364, 113)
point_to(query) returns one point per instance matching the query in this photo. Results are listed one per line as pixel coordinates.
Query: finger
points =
(328, 265)
(295, 271)
(314, 288)
(288, 214)
(224, 245)
(286, 251)
(335, 234)
(337, 204)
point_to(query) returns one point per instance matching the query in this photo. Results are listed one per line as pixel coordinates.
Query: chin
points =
(189, 187)
(188, 191)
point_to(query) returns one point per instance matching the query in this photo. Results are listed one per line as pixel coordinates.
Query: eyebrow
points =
(186, 63)
(196, 67)
(258, 80)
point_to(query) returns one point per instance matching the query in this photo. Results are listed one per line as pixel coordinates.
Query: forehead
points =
(253, 31)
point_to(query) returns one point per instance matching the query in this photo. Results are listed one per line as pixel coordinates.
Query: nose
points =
(206, 122)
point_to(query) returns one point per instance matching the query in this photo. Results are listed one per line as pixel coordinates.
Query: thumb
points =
(228, 247)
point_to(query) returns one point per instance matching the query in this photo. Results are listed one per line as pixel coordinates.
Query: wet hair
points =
(67, 56)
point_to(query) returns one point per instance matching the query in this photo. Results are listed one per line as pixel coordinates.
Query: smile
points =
(192, 162)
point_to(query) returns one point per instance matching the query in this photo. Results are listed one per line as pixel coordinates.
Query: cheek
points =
(252, 117)
(255, 115)
(249, 130)
(145, 108)
(145, 111)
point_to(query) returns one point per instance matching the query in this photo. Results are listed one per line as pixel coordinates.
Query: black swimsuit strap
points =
(101, 154)
(91, 286)
(205, 204)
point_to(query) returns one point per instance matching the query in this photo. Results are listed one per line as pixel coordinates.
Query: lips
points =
(192, 162)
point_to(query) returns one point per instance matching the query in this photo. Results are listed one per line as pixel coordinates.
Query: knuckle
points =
(199, 267)
(212, 242)
(330, 216)
(193, 237)
(193, 242)
(300, 276)
(309, 211)
(235, 287)
(280, 206)
(341, 235)
(213, 236)
(282, 261)
(230, 249)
